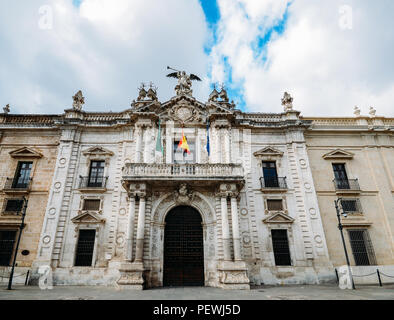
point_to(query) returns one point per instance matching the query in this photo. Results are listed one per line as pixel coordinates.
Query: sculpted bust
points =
(183, 195)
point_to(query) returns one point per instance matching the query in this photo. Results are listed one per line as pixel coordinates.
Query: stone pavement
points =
(304, 292)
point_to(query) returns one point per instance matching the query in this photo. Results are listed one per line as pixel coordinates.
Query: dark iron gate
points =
(183, 248)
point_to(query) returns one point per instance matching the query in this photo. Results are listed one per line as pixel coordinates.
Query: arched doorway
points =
(183, 248)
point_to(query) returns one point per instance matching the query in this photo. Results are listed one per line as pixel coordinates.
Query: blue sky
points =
(257, 48)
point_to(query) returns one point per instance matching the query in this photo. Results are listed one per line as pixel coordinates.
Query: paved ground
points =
(310, 292)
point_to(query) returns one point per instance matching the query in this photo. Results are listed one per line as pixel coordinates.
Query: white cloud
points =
(328, 70)
(106, 48)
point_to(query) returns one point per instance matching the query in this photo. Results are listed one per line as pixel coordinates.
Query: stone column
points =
(130, 227)
(140, 229)
(147, 145)
(235, 226)
(138, 145)
(225, 227)
(217, 146)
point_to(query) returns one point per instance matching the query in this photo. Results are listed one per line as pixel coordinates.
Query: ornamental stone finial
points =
(372, 112)
(287, 102)
(6, 109)
(357, 111)
(79, 101)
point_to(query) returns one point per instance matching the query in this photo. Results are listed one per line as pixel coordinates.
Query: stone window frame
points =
(291, 242)
(91, 197)
(87, 226)
(91, 155)
(279, 197)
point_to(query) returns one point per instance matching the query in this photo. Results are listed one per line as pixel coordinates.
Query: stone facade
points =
(364, 145)
(31, 139)
(240, 208)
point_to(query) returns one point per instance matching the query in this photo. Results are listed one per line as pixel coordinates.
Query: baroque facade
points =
(122, 209)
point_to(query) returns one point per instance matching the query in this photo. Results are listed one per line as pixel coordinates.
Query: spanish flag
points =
(183, 144)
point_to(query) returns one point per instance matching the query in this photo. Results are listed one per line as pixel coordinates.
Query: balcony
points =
(88, 185)
(346, 186)
(12, 207)
(273, 184)
(192, 173)
(13, 186)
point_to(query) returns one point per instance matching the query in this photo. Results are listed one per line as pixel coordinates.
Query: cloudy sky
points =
(329, 54)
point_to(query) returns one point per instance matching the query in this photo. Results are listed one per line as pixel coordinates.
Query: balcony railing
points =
(351, 205)
(86, 183)
(12, 207)
(192, 171)
(273, 183)
(12, 184)
(346, 184)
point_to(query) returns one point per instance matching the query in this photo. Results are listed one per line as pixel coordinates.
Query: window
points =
(22, 176)
(96, 174)
(180, 156)
(280, 245)
(91, 204)
(7, 239)
(13, 205)
(85, 247)
(351, 205)
(270, 175)
(274, 205)
(362, 248)
(340, 175)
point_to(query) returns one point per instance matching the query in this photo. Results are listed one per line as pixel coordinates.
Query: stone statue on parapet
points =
(6, 109)
(357, 111)
(79, 101)
(372, 112)
(287, 102)
(184, 81)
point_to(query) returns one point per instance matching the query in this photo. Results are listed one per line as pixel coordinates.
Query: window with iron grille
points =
(7, 240)
(274, 205)
(270, 175)
(350, 205)
(91, 204)
(13, 205)
(85, 248)
(361, 244)
(281, 248)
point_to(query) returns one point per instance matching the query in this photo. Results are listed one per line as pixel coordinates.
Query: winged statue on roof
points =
(184, 81)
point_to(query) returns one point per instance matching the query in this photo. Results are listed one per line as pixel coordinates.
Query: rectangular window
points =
(85, 248)
(281, 248)
(22, 175)
(13, 205)
(361, 244)
(340, 175)
(96, 174)
(7, 240)
(274, 205)
(350, 205)
(91, 204)
(181, 156)
(270, 175)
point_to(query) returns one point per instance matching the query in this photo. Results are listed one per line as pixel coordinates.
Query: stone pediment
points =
(268, 152)
(25, 152)
(88, 217)
(97, 151)
(278, 217)
(338, 154)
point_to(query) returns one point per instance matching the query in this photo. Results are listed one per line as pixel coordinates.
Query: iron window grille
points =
(281, 248)
(85, 248)
(346, 184)
(91, 204)
(351, 205)
(273, 182)
(361, 244)
(274, 205)
(85, 182)
(13, 206)
(7, 240)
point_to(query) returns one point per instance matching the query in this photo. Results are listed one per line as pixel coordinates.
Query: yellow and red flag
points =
(183, 144)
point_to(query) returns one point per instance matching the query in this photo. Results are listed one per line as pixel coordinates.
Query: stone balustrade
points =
(133, 171)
